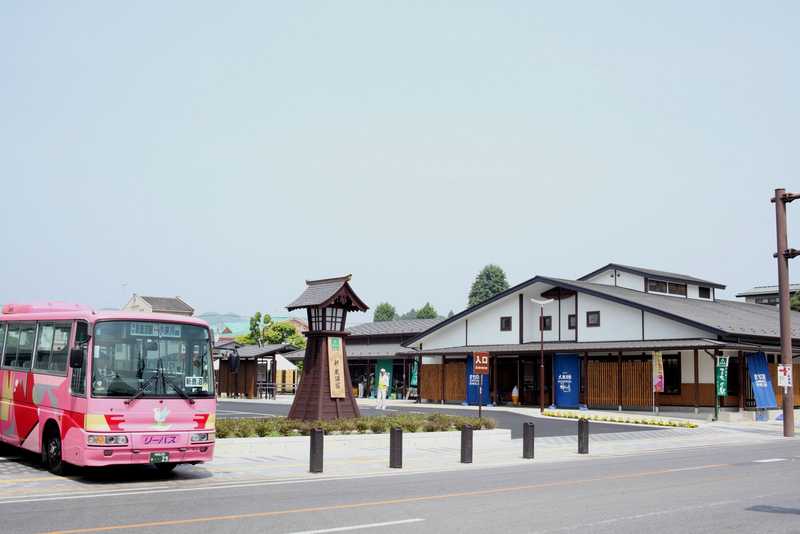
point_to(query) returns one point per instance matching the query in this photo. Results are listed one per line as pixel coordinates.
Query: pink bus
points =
(90, 388)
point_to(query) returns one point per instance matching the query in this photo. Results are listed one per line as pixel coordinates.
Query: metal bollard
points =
(396, 448)
(466, 445)
(527, 440)
(316, 451)
(583, 436)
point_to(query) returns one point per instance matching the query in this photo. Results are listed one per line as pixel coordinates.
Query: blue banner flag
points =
(568, 380)
(760, 380)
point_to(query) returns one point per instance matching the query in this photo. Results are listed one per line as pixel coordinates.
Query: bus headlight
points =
(104, 440)
(200, 437)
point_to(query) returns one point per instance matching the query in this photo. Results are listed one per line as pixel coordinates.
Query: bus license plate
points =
(159, 457)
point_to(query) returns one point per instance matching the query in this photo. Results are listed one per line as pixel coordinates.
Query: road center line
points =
(769, 460)
(360, 527)
(368, 504)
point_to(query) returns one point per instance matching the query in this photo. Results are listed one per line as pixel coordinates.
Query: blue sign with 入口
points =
(567, 374)
(758, 369)
(473, 384)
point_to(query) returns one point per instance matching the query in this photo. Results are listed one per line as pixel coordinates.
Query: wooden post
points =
(741, 381)
(419, 376)
(696, 382)
(519, 383)
(495, 400)
(444, 358)
(619, 381)
(585, 378)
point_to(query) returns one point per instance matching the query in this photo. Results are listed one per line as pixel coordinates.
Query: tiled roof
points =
(401, 326)
(320, 292)
(766, 290)
(653, 273)
(719, 317)
(168, 304)
(725, 316)
(254, 351)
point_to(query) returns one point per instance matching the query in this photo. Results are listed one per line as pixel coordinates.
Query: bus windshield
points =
(151, 359)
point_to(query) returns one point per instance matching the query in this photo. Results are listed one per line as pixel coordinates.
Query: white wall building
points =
(609, 323)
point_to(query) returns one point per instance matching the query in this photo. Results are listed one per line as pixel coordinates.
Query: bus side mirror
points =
(76, 358)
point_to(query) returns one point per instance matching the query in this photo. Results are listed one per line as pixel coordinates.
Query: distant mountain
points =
(216, 318)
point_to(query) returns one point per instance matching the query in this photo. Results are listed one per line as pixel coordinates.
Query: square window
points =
(572, 321)
(656, 286)
(704, 292)
(593, 318)
(546, 322)
(677, 289)
(505, 324)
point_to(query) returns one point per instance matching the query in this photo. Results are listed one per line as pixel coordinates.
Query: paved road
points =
(514, 421)
(734, 489)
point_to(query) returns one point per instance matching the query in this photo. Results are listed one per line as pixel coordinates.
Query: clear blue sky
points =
(225, 152)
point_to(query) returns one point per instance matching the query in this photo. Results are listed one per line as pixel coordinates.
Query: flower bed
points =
(281, 426)
(619, 419)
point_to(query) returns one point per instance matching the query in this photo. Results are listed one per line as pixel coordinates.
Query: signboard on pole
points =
(784, 375)
(722, 376)
(481, 366)
(336, 367)
(658, 372)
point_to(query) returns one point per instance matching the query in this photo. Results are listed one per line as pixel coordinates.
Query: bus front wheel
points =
(51, 453)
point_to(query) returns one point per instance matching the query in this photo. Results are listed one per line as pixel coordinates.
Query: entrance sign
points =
(758, 370)
(784, 375)
(568, 379)
(658, 372)
(481, 366)
(477, 383)
(722, 376)
(336, 367)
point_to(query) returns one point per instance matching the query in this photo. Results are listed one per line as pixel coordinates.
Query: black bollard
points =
(396, 448)
(316, 451)
(466, 444)
(527, 440)
(583, 436)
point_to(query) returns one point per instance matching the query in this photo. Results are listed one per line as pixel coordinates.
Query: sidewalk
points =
(367, 455)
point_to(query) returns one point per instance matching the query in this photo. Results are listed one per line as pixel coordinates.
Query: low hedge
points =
(619, 419)
(281, 426)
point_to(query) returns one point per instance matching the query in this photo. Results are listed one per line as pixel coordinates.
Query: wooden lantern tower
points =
(325, 390)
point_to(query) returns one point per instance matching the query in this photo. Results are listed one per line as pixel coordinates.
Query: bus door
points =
(17, 413)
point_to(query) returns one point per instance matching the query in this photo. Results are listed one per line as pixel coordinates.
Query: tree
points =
(794, 302)
(489, 282)
(278, 333)
(255, 328)
(384, 312)
(450, 314)
(410, 314)
(427, 312)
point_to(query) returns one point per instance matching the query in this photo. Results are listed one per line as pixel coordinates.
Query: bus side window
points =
(12, 340)
(78, 381)
(3, 328)
(27, 335)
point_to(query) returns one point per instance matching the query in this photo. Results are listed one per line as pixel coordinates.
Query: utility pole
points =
(783, 254)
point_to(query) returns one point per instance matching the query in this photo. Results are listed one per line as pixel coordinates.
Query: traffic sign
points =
(784, 375)
(481, 363)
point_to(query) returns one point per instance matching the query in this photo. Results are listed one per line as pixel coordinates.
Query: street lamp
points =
(541, 304)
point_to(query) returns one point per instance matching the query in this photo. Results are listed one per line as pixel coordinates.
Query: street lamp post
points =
(542, 304)
(783, 254)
